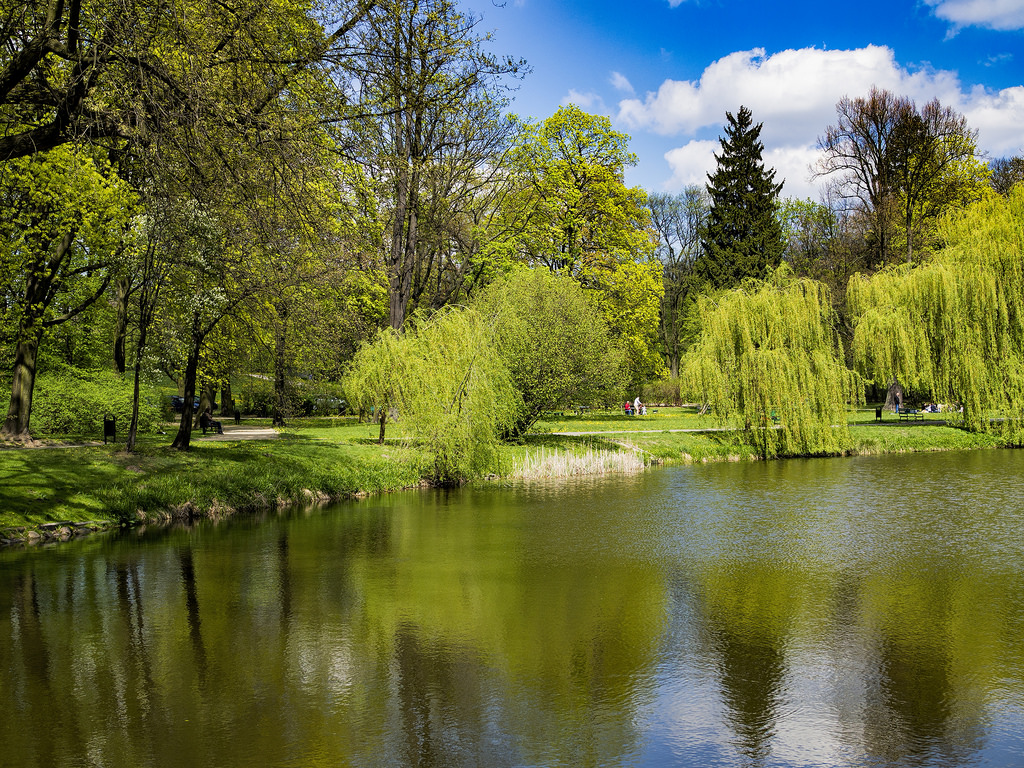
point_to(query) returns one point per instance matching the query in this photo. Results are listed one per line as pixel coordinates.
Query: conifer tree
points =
(743, 237)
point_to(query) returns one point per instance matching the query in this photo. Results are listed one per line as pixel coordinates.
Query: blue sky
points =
(666, 71)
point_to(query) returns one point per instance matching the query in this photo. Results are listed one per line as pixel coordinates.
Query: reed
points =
(550, 463)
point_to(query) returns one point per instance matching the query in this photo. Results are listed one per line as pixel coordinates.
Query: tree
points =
(743, 237)
(432, 133)
(770, 351)
(445, 378)
(1007, 172)
(901, 166)
(571, 211)
(64, 236)
(822, 243)
(99, 71)
(554, 340)
(953, 325)
(679, 221)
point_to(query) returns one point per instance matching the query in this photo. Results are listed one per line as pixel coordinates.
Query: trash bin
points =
(109, 428)
(878, 413)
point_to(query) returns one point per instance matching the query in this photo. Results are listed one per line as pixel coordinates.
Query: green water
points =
(846, 612)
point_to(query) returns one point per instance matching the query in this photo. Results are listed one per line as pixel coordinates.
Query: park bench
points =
(909, 413)
(209, 423)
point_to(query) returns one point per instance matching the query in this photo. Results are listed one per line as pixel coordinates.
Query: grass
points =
(96, 482)
(335, 457)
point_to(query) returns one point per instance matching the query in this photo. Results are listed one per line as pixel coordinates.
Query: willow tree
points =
(769, 359)
(449, 385)
(953, 326)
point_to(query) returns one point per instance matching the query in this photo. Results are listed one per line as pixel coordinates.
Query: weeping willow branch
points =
(954, 325)
(769, 360)
(451, 388)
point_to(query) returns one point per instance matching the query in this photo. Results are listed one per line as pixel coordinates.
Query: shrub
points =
(74, 402)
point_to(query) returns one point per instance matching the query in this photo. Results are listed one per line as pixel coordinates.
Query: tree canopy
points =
(552, 336)
(901, 165)
(743, 237)
(448, 384)
(769, 351)
(953, 326)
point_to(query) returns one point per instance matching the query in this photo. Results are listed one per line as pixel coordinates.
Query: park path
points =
(888, 423)
(237, 432)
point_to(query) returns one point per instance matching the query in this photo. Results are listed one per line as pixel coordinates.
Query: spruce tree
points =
(743, 236)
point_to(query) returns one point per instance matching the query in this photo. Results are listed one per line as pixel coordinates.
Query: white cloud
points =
(588, 102)
(692, 162)
(620, 82)
(997, 118)
(794, 93)
(1003, 15)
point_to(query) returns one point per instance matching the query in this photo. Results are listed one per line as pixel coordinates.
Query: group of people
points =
(636, 408)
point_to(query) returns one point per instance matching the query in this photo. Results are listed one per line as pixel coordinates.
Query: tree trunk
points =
(20, 410)
(227, 402)
(280, 348)
(133, 428)
(183, 439)
(121, 324)
(894, 398)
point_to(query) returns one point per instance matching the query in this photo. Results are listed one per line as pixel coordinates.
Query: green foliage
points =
(449, 385)
(74, 402)
(769, 350)
(630, 299)
(571, 210)
(954, 325)
(554, 340)
(743, 237)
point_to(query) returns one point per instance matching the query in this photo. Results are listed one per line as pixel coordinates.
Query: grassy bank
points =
(336, 458)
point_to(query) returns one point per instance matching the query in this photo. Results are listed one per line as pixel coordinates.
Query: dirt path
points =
(237, 432)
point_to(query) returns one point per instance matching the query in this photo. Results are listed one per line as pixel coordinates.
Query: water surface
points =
(828, 612)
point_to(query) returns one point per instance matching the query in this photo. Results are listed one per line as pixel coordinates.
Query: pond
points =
(822, 612)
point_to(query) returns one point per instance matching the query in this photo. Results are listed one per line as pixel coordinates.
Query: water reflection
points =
(792, 613)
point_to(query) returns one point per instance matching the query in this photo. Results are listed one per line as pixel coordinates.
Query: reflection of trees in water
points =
(746, 616)
(751, 666)
(31, 660)
(908, 704)
(918, 709)
(192, 617)
(443, 706)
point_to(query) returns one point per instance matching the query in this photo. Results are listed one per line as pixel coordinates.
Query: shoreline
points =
(373, 470)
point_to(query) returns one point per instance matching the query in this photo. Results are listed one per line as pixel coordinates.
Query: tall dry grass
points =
(544, 463)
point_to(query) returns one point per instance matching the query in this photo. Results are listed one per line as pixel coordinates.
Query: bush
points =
(663, 391)
(75, 402)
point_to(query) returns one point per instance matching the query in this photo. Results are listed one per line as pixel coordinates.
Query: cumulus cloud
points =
(620, 82)
(1003, 15)
(692, 162)
(794, 93)
(588, 102)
